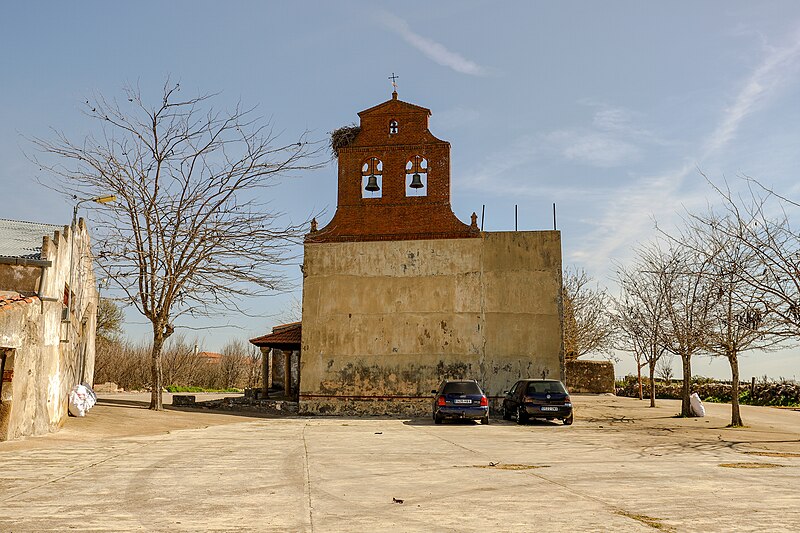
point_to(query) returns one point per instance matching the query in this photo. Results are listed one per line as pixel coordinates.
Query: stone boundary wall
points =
(590, 376)
(236, 403)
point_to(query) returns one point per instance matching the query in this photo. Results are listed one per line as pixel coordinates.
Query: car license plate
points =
(459, 400)
(548, 408)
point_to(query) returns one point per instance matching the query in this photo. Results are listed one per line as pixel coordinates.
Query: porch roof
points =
(284, 337)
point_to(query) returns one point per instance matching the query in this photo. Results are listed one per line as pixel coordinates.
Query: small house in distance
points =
(48, 313)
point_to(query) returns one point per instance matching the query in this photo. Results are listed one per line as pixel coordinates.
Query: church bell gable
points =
(394, 181)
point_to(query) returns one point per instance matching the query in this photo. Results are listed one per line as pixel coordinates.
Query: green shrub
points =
(180, 388)
(769, 393)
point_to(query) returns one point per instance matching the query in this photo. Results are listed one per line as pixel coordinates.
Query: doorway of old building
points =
(6, 377)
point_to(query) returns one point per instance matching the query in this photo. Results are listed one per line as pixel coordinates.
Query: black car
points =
(461, 399)
(537, 398)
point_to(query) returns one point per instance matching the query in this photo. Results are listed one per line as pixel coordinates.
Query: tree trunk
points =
(157, 373)
(652, 366)
(686, 390)
(639, 372)
(736, 417)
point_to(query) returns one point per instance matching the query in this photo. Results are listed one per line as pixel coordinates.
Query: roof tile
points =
(9, 299)
(283, 335)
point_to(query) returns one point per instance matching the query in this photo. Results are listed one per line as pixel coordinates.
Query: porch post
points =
(265, 372)
(287, 373)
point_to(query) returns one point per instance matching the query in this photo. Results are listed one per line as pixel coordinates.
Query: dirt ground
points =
(622, 466)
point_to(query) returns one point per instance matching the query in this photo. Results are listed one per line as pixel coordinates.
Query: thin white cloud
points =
(502, 163)
(508, 173)
(593, 148)
(612, 119)
(778, 67)
(629, 218)
(432, 49)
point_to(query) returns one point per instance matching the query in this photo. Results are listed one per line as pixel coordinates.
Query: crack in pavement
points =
(68, 474)
(308, 477)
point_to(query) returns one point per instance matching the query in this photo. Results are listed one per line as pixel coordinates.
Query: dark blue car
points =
(538, 398)
(460, 399)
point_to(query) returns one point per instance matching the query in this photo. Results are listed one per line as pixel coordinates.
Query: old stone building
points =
(399, 294)
(48, 307)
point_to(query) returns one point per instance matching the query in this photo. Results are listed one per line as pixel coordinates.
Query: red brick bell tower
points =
(394, 181)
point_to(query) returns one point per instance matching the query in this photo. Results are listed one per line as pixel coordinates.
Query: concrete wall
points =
(21, 278)
(48, 354)
(590, 376)
(385, 322)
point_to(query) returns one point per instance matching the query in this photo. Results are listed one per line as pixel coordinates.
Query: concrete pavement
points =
(620, 467)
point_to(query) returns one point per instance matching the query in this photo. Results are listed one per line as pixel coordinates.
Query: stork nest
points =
(343, 137)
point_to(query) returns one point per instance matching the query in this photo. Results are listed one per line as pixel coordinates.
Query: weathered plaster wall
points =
(47, 359)
(385, 322)
(21, 278)
(42, 374)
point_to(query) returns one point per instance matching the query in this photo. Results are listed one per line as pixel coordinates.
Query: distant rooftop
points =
(23, 239)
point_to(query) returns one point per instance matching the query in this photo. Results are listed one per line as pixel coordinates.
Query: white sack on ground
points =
(81, 399)
(697, 405)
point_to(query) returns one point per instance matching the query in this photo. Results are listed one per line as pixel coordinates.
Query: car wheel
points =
(437, 419)
(485, 420)
(568, 420)
(521, 415)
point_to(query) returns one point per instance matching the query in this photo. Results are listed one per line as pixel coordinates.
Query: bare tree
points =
(180, 363)
(739, 319)
(234, 364)
(641, 314)
(108, 343)
(760, 220)
(687, 298)
(254, 356)
(191, 232)
(587, 315)
(109, 320)
(293, 312)
(664, 368)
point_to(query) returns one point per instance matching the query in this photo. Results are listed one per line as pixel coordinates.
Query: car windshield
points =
(461, 387)
(545, 387)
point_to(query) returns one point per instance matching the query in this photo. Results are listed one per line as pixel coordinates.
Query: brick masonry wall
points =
(394, 215)
(590, 376)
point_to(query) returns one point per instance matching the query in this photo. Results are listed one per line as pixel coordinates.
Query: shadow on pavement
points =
(122, 403)
(134, 404)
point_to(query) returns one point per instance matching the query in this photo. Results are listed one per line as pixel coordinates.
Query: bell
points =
(416, 182)
(372, 184)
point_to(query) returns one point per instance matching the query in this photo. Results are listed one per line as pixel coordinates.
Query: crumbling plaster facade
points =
(399, 294)
(385, 322)
(45, 355)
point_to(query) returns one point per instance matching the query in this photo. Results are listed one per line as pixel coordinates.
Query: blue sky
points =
(608, 109)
